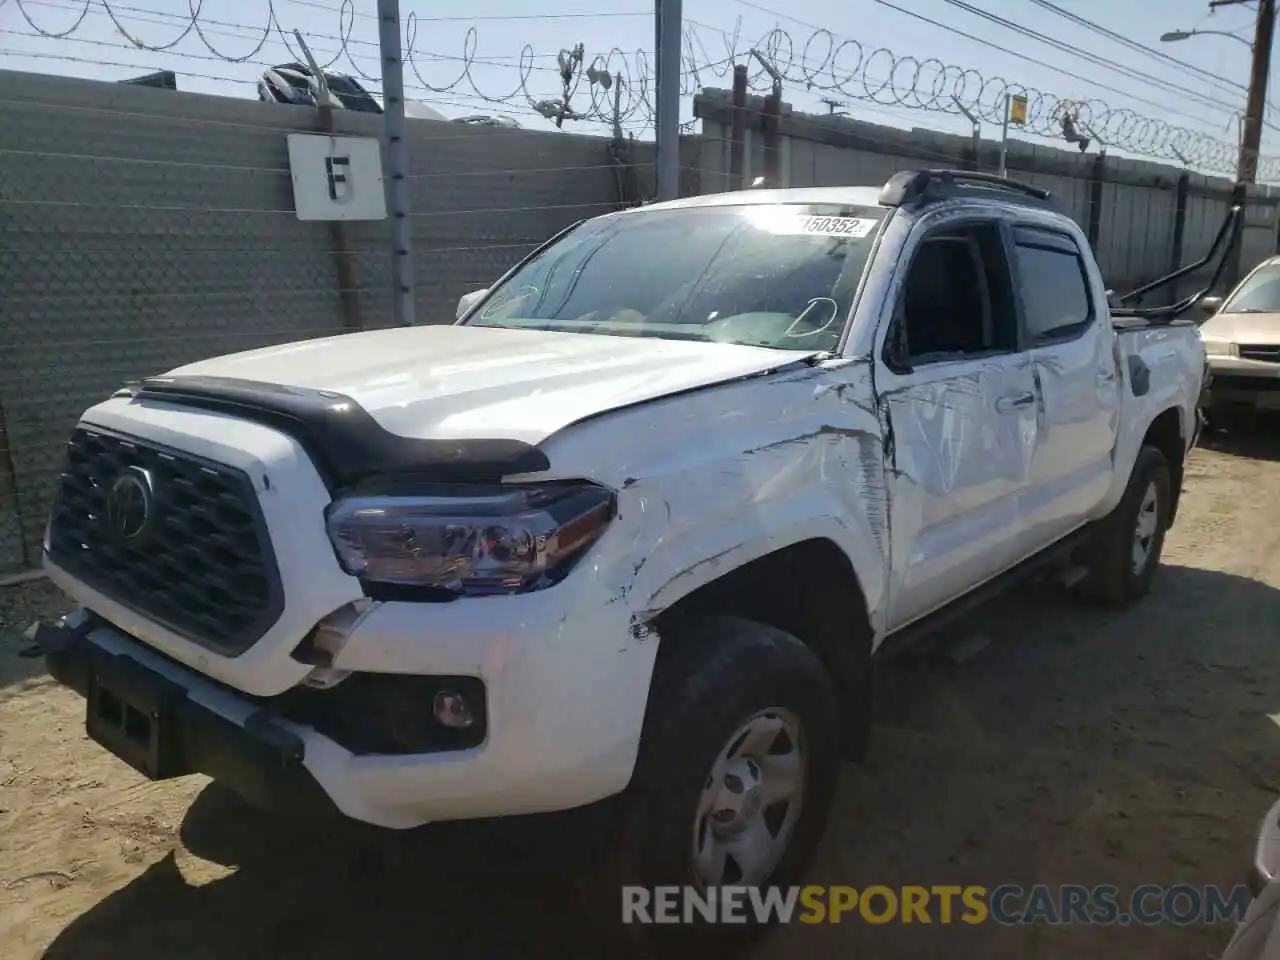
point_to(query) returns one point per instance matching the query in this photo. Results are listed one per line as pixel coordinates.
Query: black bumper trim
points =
(261, 761)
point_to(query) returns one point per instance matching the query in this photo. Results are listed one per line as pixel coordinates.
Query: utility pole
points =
(770, 121)
(1004, 139)
(738, 127)
(977, 133)
(1251, 137)
(337, 228)
(668, 16)
(397, 161)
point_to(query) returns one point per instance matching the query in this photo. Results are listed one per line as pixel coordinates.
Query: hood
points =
(453, 382)
(1259, 328)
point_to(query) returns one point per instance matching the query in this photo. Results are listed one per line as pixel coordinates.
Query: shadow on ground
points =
(1255, 435)
(336, 896)
(1082, 746)
(20, 605)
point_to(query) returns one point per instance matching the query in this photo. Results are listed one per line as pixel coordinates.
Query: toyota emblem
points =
(130, 505)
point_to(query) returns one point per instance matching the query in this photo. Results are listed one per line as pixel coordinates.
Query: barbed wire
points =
(844, 67)
(610, 87)
(616, 86)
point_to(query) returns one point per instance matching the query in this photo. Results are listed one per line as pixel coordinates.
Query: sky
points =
(496, 57)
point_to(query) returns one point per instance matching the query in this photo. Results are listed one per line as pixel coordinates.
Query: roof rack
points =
(908, 186)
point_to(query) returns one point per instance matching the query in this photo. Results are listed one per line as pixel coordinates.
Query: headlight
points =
(1221, 348)
(468, 540)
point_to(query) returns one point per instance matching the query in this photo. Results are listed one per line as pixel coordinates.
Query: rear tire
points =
(1123, 554)
(738, 762)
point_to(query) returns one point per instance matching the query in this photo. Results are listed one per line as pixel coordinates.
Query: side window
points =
(957, 300)
(1054, 285)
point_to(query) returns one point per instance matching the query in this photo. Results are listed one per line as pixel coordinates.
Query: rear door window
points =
(1053, 284)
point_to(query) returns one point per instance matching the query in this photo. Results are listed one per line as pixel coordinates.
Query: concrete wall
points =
(142, 228)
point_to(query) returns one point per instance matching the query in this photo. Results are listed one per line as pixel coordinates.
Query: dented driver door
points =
(957, 401)
(962, 445)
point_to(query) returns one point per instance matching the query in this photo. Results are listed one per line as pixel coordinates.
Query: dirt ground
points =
(1081, 746)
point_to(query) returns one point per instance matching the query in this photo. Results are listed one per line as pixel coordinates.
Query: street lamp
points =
(1260, 50)
(1173, 36)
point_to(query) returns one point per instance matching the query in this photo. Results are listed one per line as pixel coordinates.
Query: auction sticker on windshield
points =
(788, 223)
(854, 227)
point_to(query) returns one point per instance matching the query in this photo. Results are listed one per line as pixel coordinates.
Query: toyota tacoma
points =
(634, 531)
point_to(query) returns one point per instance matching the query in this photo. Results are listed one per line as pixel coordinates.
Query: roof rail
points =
(932, 185)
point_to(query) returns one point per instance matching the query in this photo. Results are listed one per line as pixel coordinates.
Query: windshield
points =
(1259, 293)
(781, 276)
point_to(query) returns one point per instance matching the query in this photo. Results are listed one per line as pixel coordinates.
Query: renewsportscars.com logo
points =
(1008, 904)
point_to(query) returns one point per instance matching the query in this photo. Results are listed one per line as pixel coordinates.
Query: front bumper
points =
(565, 671)
(543, 750)
(206, 731)
(1233, 383)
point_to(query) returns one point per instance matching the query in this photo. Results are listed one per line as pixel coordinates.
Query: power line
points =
(202, 28)
(880, 77)
(346, 41)
(1233, 110)
(1097, 59)
(240, 31)
(1166, 108)
(1135, 45)
(991, 45)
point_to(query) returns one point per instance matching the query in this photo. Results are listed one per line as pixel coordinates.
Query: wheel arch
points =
(1167, 434)
(809, 589)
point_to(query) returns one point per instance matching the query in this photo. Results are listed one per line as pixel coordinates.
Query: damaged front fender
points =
(730, 475)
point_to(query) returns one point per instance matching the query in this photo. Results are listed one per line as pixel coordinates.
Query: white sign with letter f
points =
(336, 178)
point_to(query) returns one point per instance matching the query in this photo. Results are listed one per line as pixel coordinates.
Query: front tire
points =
(1124, 552)
(734, 778)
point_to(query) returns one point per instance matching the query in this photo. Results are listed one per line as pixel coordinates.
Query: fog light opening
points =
(453, 711)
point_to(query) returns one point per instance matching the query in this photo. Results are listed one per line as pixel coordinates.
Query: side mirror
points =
(1210, 305)
(469, 300)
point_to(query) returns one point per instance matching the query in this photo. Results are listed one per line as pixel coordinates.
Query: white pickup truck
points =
(631, 534)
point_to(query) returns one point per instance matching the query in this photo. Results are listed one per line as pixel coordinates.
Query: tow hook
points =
(45, 638)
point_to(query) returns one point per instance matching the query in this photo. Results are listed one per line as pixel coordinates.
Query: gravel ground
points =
(1081, 746)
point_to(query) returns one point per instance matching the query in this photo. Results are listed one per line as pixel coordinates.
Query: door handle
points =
(1014, 401)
